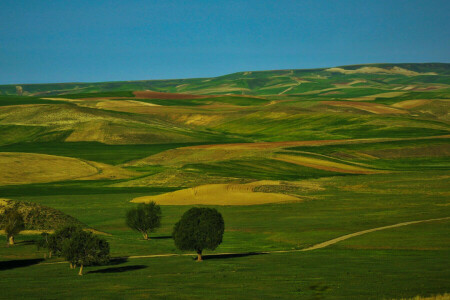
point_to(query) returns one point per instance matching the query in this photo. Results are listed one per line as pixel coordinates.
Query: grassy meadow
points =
(290, 158)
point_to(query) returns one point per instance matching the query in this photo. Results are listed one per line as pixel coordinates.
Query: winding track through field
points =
(317, 246)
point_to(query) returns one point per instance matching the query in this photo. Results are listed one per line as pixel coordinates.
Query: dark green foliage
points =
(84, 248)
(145, 218)
(55, 242)
(199, 229)
(21, 100)
(12, 223)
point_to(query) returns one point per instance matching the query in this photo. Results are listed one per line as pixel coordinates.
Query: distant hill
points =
(257, 82)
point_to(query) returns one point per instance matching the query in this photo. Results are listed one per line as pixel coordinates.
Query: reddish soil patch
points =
(168, 96)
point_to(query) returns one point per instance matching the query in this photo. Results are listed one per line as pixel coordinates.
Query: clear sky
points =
(67, 41)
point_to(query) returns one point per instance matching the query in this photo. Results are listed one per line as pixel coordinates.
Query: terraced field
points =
(291, 158)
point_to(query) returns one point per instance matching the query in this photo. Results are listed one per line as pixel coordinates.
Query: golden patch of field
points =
(375, 108)
(112, 104)
(106, 171)
(321, 164)
(445, 296)
(381, 95)
(48, 114)
(411, 103)
(219, 194)
(23, 168)
(199, 119)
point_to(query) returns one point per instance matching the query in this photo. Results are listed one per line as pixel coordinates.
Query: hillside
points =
(317, 173)
(289, 82)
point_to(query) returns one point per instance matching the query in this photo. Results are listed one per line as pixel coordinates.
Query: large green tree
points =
(84, 248)
(199, 229)
(13, 224)
(145, 218)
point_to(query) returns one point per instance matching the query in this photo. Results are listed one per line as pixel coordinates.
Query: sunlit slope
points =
(378, 77)
(24, 168)
(73, 123)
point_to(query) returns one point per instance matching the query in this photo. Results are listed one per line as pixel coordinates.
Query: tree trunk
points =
(81, 270)
(71, 266)
(199, 255)
(11, 240)
(145, 235)
(50, 254)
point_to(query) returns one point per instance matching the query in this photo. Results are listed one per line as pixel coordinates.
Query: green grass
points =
(110, 154)
(342, 205)
(336, 274)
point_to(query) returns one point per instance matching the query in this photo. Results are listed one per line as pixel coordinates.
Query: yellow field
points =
(411, 103)
(219, 194)
(24, 168)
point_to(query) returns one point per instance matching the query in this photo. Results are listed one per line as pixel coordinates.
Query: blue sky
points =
(68, 41)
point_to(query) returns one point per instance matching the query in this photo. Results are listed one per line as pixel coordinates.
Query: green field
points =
(354, 164)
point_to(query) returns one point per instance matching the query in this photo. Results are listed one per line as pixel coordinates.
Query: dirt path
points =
(347, 236)
(317, 246)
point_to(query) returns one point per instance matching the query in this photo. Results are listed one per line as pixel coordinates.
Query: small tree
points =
(199, 229)
(13, 224)
(84, 248)
(44, 243)
(145, 218)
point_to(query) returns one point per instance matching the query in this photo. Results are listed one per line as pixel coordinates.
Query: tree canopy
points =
(199, 229)
(145, 218)
(54, 242)
(85, 248)
(13, 224)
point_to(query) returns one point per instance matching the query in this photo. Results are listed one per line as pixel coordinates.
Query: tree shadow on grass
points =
(18, 263)
(117, 261)
(161, 237)
(231, 255)
(120, 269)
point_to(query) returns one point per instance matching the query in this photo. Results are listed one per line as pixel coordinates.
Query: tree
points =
(54, 242)
(84, 248)
(13, 224)
(145, 218)
(199, 229)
